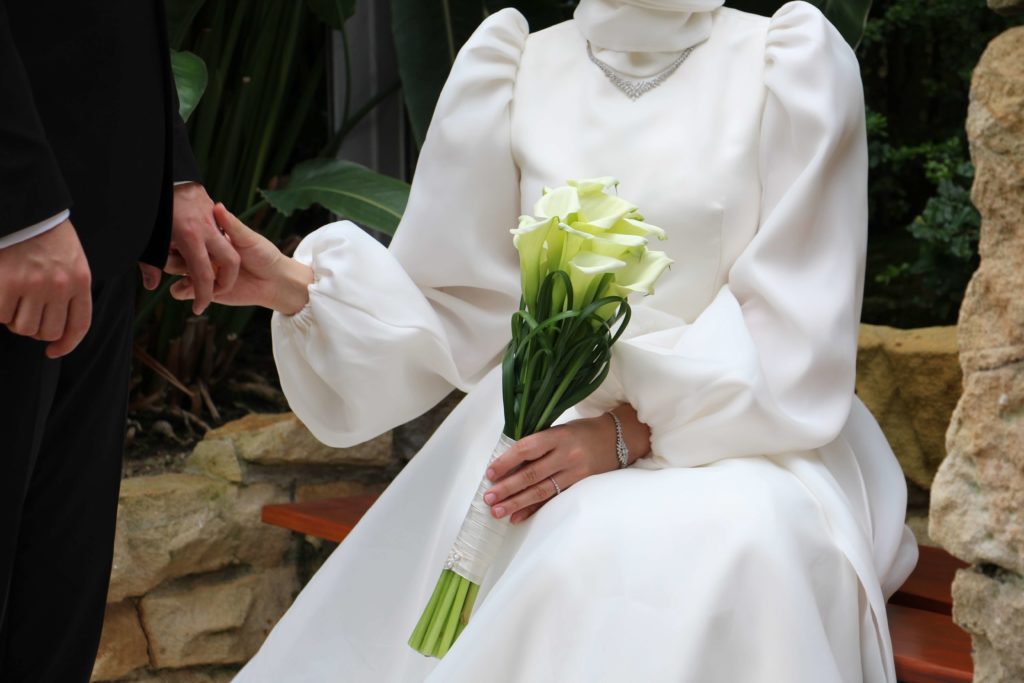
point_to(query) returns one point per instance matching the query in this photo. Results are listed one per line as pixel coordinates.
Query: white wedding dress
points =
(759, 541)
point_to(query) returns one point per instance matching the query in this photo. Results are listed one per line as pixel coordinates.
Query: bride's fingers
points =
(529, 474)
(525, 513)
(538, 494)
(527, 448)
(241, 236)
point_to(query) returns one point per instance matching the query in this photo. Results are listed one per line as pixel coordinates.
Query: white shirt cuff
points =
(34, 230)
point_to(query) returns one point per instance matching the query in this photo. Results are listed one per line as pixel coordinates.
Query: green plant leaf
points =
(848, 16)
(428, 35)
(334, 13)
(180, 14)
(190, 79)
(346, 188)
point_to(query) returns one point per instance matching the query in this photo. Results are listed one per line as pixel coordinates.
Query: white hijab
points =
(645, 25)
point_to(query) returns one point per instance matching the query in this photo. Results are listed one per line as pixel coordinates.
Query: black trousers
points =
(61, 441)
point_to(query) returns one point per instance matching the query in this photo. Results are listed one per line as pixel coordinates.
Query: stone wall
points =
(198, 581)
(977, 505)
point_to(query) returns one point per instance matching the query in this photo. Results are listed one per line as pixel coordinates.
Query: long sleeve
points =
(769, 365)
(32, 187)
(389, 332)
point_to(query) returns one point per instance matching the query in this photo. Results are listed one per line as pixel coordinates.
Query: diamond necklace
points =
(634, 88)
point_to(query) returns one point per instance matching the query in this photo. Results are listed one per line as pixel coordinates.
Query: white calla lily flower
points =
(640, 276)
(585, 272)
(634, 226)
(529, 238)
(560, 202)
(594, 185)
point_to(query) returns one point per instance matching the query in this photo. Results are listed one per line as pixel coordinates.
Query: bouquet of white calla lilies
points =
(581, 254)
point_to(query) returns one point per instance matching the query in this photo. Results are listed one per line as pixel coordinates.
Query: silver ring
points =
(558, 489)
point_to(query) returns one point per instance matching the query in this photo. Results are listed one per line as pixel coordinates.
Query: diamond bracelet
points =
(621, 451)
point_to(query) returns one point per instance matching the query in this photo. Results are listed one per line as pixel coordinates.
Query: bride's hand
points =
(266, 277)
(525, 475)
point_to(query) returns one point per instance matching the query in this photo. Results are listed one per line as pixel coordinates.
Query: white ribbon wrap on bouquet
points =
(481, 535)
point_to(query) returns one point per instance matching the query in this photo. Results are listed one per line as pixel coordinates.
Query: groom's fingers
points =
(200, 270)
(28, 318)
(54, 319)
(182, 290)
(150, 276)
(77, 324)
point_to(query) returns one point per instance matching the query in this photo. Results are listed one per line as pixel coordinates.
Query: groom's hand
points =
(209, 259)
(46, 289)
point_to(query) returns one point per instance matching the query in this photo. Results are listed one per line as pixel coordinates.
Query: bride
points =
(758, 529)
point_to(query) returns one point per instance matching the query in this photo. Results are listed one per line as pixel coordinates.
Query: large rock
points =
(123, 646)
(215, 620)
(204, 675)
(910, 381)
(976, 503)
(977, 506)
(172, 525)
(280, 439)
(991, 608)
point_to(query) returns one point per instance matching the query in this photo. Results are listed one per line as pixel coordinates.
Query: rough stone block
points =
(172, 525)
(991, 609)
(203, 675)
(976, 505)
(281, 439)
(123, 646)
(910, 381)
(215, 620)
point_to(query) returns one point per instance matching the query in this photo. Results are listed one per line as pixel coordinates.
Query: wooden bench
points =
(929, 647)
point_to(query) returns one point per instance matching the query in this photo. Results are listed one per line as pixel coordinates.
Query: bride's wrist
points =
(291, 290)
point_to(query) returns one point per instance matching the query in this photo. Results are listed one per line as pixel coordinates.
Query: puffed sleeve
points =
(769, 366)
(388, 332)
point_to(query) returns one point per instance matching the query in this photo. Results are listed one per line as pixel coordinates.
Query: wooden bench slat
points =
(929, 647)
(929, 586)
(330, 519)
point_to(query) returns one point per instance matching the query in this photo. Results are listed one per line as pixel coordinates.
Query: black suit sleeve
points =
(32, 188)
(184, 162)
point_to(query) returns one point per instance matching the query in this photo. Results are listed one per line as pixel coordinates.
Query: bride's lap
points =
(626, 566)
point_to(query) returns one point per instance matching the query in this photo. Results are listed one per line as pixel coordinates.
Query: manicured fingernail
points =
(489, 498)
(499, 512)
(490, 473)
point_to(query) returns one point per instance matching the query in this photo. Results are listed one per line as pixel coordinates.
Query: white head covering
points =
(645, 25)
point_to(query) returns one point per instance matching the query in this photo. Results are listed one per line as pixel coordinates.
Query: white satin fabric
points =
(759, 540)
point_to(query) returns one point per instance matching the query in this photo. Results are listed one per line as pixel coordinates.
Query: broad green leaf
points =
(334, 13)
(428, 35)
(190, 79)
(848, 16)
(348, 189)
(180, 15)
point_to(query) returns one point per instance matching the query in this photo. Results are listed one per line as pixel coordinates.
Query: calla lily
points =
(603, 210)
(625, 247)
(559, 202)
(529, 238)
(593, 185)
(640, 276)
(635, 226)
(585, 272)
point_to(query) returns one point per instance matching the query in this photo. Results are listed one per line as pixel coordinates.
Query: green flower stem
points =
(448, 635)
(429, 644)
(416, 639)
(433, 640)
